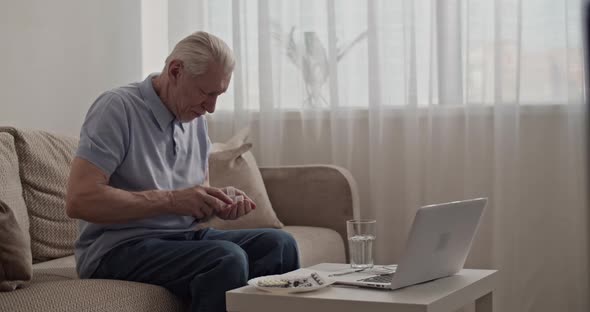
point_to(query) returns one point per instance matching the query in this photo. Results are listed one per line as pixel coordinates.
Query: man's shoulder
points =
(127, 94)
(127, 98)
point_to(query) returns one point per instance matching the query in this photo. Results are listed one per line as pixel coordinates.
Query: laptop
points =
(437, 246)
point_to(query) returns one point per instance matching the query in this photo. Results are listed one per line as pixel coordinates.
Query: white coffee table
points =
(443, 295)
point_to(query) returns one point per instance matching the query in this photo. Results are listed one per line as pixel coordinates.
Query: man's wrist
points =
(171, 202)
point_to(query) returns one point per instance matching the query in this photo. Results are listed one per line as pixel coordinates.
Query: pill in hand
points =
(230, 191)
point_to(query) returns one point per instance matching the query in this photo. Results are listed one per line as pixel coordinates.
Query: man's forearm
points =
(106, 204)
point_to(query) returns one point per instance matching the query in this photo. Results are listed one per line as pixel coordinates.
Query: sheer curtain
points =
(425, 101)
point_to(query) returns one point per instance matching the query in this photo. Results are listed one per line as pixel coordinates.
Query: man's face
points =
(196, 96)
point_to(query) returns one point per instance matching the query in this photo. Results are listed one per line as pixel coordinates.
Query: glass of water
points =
(361, 236)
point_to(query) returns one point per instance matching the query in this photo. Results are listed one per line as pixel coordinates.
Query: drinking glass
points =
(361, 238)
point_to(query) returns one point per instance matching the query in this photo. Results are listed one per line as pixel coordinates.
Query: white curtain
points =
(425, 101)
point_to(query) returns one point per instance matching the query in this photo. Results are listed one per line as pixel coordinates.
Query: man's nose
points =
(210, 104)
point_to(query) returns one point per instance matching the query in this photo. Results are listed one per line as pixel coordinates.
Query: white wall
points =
(163, 24)
(154, 35)
(57, 56)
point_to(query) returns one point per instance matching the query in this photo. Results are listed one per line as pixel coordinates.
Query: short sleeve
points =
(104, 137)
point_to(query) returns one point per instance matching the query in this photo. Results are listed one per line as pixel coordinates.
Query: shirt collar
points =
(160, 111)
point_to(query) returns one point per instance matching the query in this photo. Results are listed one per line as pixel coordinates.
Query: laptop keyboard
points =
(385, 278)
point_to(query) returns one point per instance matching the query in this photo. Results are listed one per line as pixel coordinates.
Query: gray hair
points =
(198, 50)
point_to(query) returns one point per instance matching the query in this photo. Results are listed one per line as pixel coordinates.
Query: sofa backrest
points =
(44, 163)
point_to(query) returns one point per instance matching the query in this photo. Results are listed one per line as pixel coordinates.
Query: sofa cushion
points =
(54, 290)
(317, 245)
(15, 252)
(56, 269)
(232, 164)
(44, 164)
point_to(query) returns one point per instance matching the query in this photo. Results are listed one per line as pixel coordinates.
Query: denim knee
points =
(228, 270)
(283, 239)
(286, 245)
(233, 264)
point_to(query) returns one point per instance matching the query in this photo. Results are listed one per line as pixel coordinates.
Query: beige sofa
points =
(312, 201)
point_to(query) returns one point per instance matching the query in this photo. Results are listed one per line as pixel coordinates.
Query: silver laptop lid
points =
(439, 241)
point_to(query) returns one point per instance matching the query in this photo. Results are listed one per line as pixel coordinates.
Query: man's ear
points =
(175, 69)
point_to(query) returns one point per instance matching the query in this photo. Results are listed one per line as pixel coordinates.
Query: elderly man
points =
(139, 184)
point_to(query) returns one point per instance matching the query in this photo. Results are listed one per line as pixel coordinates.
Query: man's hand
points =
(242, 205)
(199, 201)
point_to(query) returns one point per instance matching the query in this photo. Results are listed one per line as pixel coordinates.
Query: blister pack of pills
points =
(292, 281)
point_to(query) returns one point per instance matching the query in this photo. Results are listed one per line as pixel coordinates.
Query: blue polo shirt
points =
(130, 135)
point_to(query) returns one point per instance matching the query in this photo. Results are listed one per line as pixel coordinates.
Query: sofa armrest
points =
(312, 195)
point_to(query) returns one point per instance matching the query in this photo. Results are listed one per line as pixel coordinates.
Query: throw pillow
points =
(44, 163)
(232, 164)
(11, 191)
(15, 249)
(15, 253)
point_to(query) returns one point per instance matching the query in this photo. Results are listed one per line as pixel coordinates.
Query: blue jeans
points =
(200, 266)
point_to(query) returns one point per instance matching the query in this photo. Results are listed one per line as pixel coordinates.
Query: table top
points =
(438, 295)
